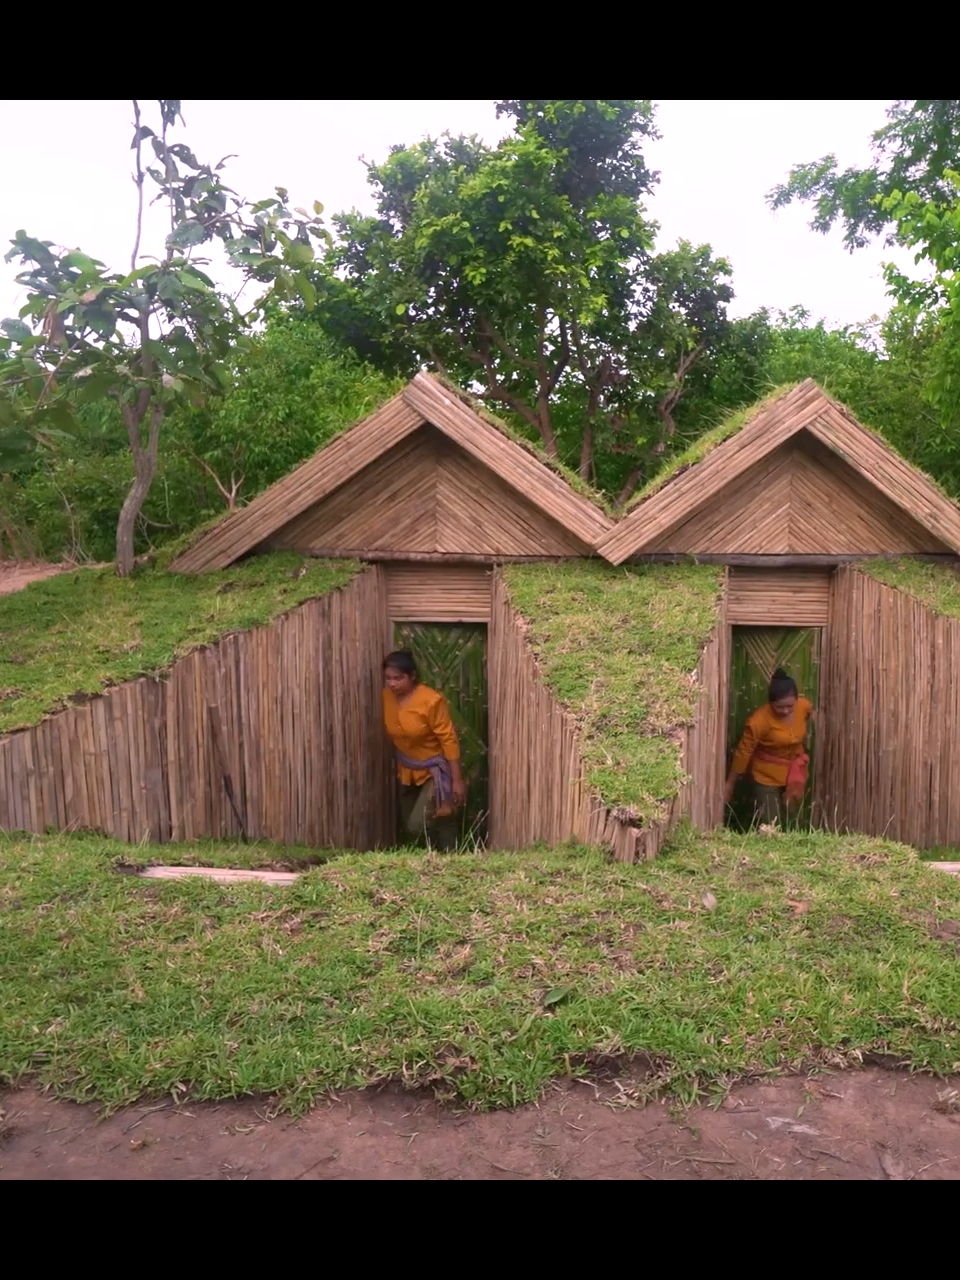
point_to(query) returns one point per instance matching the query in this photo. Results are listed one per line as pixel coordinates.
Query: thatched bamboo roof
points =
(801, 468)
(425, 402)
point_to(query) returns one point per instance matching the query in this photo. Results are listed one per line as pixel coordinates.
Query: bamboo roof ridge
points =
(425, 401)
(805, 408)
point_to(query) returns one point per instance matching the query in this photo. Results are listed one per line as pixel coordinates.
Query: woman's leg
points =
(420, 819)
(444, 833)
(413, 808)
(768, 804)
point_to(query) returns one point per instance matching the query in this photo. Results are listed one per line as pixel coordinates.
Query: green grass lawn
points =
(485, 975)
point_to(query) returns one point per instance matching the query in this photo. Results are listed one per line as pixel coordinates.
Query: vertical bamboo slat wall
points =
(285, 719)
(538, 788)
(891, 709)
(704, 753)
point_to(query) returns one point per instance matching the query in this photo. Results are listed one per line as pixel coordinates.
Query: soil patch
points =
(873, 1124)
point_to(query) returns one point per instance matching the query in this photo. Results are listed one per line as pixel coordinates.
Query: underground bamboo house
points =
(599, 670)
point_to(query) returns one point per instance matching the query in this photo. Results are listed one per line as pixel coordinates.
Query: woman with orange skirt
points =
(772, 751)
(417, 720)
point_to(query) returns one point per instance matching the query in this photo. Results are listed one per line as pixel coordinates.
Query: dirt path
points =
(870, 1124)
(14, 577)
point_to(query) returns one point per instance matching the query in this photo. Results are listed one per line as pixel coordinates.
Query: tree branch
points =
(139, 184)
(229, 495)
(626, 493)
(487, 329)
(669, 402)
(495, 391)
(562, 360)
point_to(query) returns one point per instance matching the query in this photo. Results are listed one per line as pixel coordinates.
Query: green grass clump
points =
(619, 648)
(86, 629)
(485, 975)
(937, 586)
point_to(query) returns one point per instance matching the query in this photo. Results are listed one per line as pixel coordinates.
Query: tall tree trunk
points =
(629, 485)
(145, 468)
(546, 426)
(586, 453)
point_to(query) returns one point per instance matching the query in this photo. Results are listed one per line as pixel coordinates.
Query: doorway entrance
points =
(756, 654)
(452, 658)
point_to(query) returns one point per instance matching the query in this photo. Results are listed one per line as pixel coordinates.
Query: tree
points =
(527, 272)
(160, 334)
(911, 195)
(291, 390)
(911, 153)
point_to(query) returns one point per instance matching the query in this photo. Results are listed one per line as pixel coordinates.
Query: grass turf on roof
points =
(618, 648)
(486, 975)
(937, 586)
(87, 629)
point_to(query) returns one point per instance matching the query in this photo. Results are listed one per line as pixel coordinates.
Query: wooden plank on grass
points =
(222, 875)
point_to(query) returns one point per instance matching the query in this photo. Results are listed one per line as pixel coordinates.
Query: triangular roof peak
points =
(802, 413)
(424, 401)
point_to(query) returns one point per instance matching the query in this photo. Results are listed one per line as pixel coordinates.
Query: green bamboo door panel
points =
(757, 652)
(453, 660)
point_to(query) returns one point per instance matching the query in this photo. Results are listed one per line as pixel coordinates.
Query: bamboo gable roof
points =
(525, 499)
(802, 476)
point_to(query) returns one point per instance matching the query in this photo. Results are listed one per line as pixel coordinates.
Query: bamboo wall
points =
(538, 787)
(891, 711)
(286, 717)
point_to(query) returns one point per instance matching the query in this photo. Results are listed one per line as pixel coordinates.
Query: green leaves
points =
(16, 330)
(187, 234)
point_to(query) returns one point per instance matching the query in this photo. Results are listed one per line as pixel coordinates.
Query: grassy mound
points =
(87, 629)
(935, 585)
(619, 648)
(485, 975)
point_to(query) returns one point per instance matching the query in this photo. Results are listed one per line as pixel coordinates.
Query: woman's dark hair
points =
(402, 660)
(782, 686)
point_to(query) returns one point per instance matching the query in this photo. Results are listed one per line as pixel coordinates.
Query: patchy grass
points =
(935, 585)
(485, 975)
(619, 648)
(84, 630)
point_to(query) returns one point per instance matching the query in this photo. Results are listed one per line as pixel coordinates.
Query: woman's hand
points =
(459, 786)
(728, 788)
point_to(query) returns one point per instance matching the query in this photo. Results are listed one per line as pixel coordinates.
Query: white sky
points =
(66, 177)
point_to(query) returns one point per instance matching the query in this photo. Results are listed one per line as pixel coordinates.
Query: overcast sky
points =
(66, 177)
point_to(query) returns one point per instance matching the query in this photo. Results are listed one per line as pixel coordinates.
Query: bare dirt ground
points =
(872, 1124)
(15, 576)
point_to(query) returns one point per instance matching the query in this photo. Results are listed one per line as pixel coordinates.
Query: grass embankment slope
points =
(619, 648)
(81, 631)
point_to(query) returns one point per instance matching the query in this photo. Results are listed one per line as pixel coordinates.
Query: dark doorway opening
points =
(452, 658)
(756, 653)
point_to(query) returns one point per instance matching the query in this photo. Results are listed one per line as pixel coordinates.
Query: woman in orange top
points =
(773, 750)
(417, 719)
